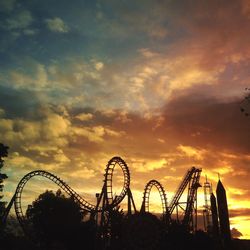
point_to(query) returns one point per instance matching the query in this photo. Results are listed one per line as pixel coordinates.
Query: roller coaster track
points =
(111, 200)
(190, 180)
(147, 190)
(84, 205)
(192, 196)
(107, 198)
(180, 190)
(107, 201)
(63, 185)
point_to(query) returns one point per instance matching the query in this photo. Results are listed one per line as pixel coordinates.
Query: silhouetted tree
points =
(245, 103)
(142, 231)
(202, 239)
(117, 218)
(178, 237)
(57, 220)
(3, 153)
(13, 237)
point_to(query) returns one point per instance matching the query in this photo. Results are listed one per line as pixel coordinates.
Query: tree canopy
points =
(3, 153)
(54, 216)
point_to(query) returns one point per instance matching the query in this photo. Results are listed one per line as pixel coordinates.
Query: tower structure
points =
(223, 214)
(207, 207)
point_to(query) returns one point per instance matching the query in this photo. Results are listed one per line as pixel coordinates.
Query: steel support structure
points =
(207, 215)
(190, 181)
(190, 216)
(109, 202)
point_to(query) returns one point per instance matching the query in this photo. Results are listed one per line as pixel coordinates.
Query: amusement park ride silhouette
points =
(107, 201)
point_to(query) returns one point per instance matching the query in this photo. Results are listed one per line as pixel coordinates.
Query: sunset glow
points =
(158, 83)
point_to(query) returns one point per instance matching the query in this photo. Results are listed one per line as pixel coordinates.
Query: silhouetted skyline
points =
(157, 82)
(56, 220)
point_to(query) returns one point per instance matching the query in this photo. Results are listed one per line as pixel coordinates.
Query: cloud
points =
(32, 135)
(60, 157)
(192, 152)
(218, 30)
(246, 8)
(95, 133)
(2, 112)
(82, 173)
(7, 5)
(55, 131)
(56, 24)
(240, 212)
(38, 80)
(30, 32)
(137, 22)
(20, 21)
(145, 166)
(17, 102)
(84, 116)
(197, 114)
(99, 66)
(150, 82)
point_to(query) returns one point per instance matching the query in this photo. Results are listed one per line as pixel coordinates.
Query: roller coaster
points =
(145, 202)
(190, 180)
(107, 201)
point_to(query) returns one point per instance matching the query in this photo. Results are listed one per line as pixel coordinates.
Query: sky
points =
(158, 83)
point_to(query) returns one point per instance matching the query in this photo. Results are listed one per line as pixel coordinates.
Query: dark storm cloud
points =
(204, 121)
(18, 103)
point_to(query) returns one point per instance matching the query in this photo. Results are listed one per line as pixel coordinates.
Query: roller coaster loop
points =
(147, 190)
(111, 200)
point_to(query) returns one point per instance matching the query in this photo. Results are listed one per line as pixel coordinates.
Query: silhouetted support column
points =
(7, 210)
(129, 205)
(130, 202)
(143, 207)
